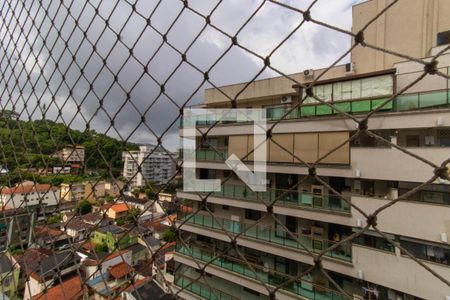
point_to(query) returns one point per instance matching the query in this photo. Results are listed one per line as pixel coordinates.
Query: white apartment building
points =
(306, 215)
(28, 194)
(157, 166)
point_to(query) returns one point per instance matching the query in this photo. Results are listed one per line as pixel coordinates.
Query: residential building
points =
(117, 211)
(301, 213)
(95, 190)
(29, 194)
(156, 165)
(145, 289)
(97, 264)
(51, 269)
(9, 275)
(49, 238)
(71, 155)
(114, 237)
(73, 192)
(15, 227)
(71, 288)
(77, 229)
(110, 284)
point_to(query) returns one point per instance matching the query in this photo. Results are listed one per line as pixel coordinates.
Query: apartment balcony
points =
(402, 103)
(258, 272)
(327, 208)
(268, 234)
(201, 289)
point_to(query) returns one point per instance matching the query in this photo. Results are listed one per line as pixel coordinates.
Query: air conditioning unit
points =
(286, 99)
(429, 140)
(309, 74)
(350, 68)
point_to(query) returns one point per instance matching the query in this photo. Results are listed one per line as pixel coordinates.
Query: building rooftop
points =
(29, 261)
(136, 248)
(98, 258)
(152, 241)
(131, 199)
(50, 266)
(5, 263)
(120, 270)
(119, 207)
(71, 288)
(92, 218)
(78, 224)
(149, 289)
(46, 231)
(114, 229)
(26, 188)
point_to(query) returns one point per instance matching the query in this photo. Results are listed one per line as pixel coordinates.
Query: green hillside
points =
(29, 144)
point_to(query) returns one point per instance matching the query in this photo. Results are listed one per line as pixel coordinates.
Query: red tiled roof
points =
(68, 289)
(88, 246)
(120, 207)
(120, 270)
(26, 188)
(46, 231)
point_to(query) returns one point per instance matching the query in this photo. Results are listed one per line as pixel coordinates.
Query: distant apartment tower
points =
(156, 165)
(274, 232)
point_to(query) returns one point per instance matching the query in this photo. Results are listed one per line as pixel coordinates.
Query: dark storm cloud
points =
(107, 99)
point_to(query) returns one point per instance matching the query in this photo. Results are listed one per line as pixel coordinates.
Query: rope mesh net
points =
(101, 74)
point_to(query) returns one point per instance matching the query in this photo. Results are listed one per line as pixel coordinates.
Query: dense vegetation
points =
(30, 144)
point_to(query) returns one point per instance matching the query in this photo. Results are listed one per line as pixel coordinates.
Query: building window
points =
(225, 207)
(412, 141)
(443, 38)
(376, 242)
(434, 253)
(251, 214)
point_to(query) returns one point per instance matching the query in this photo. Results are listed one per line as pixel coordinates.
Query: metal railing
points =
(267, 233)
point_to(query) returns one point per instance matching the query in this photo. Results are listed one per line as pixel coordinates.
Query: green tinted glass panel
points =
(323, 110)
(360, 106)
(378, 102)
(407, 102)
(210, 155)
(345, 106)
(306, 111)
(433, 99)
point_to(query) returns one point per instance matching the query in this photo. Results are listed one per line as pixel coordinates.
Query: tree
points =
(133, 214)
(100, 248)
(170, 235)
(84, 207)
(120, 221)
(53, 219)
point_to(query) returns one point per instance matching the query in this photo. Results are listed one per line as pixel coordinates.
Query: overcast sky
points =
(312, 46)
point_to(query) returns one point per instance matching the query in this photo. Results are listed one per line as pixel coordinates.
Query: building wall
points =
(156, 166)
(73, 192)
(22, 200)
(409, 27)
(93, 272)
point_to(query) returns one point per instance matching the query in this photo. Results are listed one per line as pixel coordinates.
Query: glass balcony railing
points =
(201, 289)
(268, 234)
(212, 154)
(286, 198)
(404, 102)
(304, 288)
